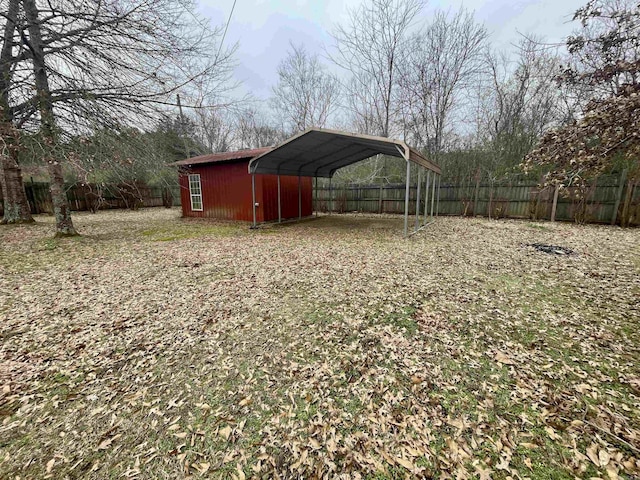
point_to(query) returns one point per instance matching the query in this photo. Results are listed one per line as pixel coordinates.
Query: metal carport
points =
(320, 153)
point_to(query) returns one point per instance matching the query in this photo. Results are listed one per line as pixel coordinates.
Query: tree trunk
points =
(61, 210)
(16, 206)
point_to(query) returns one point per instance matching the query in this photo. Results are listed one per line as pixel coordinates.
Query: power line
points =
(225, 30)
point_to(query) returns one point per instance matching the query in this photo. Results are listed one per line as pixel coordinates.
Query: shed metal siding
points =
(288, 195)
(226, 193)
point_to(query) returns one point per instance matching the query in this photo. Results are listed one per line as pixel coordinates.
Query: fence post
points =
(624, 221)
(475, 201)
(623, 178)
(380, 200)
(490, 200)
(555, 203)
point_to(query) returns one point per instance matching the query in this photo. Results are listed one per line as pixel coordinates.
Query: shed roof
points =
(223, 156)
(320, 153)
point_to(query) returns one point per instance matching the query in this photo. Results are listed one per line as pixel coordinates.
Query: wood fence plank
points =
(623, 178)
(554, 206)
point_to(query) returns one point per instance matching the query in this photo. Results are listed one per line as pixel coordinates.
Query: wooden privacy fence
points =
(611, 199)
(100, 197)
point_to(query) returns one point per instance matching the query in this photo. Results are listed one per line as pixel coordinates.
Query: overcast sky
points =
(264, 28)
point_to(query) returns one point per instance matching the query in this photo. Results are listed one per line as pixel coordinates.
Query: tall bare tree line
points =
(438, 83)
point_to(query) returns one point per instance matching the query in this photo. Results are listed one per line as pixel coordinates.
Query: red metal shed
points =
(219, 186)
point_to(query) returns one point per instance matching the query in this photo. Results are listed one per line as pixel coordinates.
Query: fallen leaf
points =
(612, 472)
(592, 453)
(405, 463)
(225, 432)
(552, 433)
(241, 475)
(504, 359)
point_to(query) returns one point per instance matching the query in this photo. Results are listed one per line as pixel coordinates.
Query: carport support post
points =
(426, 196)
(279, 203)
(406, 200)
(330, 202)
(433, 194)
(253, 196)
(418, 199)
(438, 196)
(315, 203)
(299, 198)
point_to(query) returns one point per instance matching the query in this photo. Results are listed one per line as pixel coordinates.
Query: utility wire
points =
(224, 35)
(225, 30)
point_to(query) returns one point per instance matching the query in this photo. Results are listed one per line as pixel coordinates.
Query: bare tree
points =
(105, 63)
(253, 130)
(442, 62)
(214, 128)
(520, 103)
(507, 108)
(48, 129)
(369, 48)
(16, 206)
(305, 94)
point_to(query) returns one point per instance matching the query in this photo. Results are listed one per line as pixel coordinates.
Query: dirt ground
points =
(159, 347)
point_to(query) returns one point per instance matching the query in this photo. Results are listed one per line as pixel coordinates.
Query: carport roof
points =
(320, 153)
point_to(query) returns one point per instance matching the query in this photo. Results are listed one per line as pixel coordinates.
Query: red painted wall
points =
(288, 196)
(226, 193)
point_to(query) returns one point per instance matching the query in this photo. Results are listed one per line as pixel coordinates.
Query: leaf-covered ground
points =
(160, 347)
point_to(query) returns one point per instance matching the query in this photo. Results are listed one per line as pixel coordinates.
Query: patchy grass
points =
(161, 347)
(539, 226)
(186, 230)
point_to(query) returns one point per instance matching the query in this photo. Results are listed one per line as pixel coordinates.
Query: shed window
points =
(195, 191)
